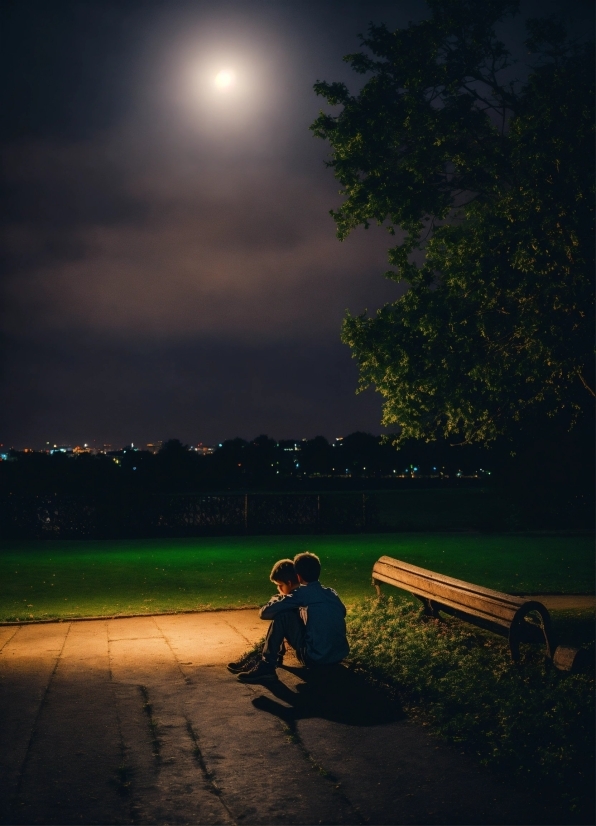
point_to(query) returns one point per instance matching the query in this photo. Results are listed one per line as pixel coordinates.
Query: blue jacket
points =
(323, 612)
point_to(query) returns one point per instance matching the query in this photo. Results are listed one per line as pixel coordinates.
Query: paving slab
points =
(217, 638)
(261, 771)
(6, 634)
(71, 769)
(28, 660)
(162, 779)
(138, 721)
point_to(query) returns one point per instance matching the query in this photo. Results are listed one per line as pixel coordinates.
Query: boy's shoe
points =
(246, 665)
(242, 665)
(262, 672)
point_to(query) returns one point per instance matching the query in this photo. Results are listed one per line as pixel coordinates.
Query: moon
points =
(225, 78)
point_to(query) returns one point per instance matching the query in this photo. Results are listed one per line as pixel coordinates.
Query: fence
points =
(129, 516)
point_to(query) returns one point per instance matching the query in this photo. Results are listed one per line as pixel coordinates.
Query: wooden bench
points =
(488, 609)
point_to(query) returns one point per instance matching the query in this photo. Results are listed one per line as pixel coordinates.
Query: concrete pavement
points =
(138, 721)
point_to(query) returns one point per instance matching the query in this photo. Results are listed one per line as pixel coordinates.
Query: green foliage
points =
(490, 185)
(529, 720)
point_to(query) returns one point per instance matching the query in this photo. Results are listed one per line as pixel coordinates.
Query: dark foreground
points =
(138, 721)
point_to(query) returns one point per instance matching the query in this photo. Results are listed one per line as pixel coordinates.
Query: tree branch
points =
(585, 384)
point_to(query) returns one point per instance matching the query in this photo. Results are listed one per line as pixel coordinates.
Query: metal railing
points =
(156, 515)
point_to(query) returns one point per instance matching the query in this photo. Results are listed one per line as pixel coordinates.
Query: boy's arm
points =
(333, 591)
(279, 603)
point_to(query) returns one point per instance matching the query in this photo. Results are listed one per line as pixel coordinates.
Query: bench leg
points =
(516, 631)
(431, 608)
(514, 634)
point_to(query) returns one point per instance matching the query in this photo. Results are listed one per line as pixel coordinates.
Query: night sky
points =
(169, 266)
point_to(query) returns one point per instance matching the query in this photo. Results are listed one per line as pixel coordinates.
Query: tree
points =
(487, 186)
(261, 458)
(173, 450)
(316, 456)
(360, 453)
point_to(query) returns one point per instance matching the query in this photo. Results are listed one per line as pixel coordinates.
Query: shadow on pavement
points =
(332, 693)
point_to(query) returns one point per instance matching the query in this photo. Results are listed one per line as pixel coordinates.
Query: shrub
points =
(527, 719)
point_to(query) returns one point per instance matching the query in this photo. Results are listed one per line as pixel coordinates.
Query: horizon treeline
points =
(543, 464)
(238, 463)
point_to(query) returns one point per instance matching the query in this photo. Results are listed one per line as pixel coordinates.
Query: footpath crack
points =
(124, 772)
(42, 705)
(288, 724)
(207, 774)
(294, 737)
(5, 643)
(152, 723)
(233, 627)
(185, 677)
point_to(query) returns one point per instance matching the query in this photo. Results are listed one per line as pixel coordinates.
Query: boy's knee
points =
(283, 619)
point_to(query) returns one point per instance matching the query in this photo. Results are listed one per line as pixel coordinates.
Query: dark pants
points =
(285, 626)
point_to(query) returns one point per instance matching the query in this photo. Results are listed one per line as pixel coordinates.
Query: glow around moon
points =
(224, 89)
(225, 79)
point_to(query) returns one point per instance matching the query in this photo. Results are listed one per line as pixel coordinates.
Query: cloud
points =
(169, 266)
(74, 388)
(128, 240)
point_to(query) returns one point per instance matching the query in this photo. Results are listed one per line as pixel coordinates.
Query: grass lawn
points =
(61, 579)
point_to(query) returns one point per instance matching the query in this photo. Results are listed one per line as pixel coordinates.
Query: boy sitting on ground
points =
(283, 574)
(310, 618)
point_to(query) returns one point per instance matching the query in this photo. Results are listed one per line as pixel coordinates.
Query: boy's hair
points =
(284, 571)
(308, 566)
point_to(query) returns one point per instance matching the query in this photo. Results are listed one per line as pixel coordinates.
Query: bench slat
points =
(451, 603)
(487, 604)
(460, 584)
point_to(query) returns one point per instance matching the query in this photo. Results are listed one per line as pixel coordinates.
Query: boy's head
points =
(284, 575)
(307, 566)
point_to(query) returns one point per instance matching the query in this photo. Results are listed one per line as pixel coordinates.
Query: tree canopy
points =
(486, 185)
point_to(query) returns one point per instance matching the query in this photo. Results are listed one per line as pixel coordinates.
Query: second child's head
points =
(307, 566)
(284, 575)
